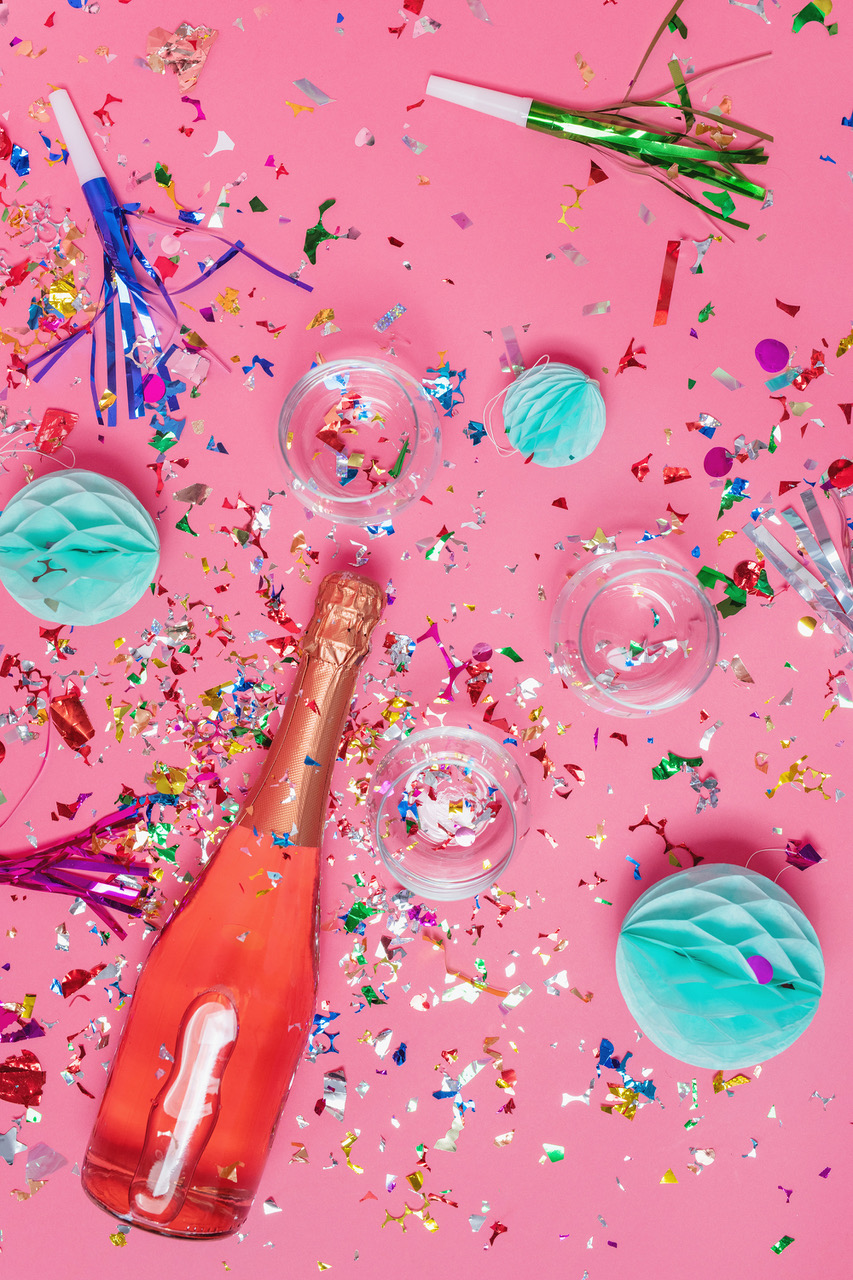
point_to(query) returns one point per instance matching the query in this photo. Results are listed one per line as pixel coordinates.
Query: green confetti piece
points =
(184, 525)
(707, 310)
(162, 442)
(358, 912)
(315, 235)
(257, 205)
(162, 176)
(394, 471)
(781, 1245)
(370, 996)
(554, 1153)
(811, 13)
(510, 653)
(672, 763)
(691, 383)
(722, 200)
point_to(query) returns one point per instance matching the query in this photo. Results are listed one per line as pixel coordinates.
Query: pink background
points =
(563, 1218)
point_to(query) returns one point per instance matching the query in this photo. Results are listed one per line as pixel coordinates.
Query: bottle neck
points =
(289, 800)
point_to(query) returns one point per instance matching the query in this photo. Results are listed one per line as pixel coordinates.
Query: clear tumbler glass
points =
(361, 439)
(633, 634)
(447, 808)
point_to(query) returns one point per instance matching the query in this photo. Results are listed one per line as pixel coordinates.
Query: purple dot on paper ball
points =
(154, 388)
(717, 462)
(772, 355)
(762, 968)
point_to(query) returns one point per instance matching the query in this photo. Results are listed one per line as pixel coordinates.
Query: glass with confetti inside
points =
(633, 634)
(448, 806)
(360, 439)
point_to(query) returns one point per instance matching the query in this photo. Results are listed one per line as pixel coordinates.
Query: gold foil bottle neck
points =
(290, 797)
(348, 608)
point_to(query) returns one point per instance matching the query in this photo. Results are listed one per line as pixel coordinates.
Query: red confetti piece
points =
(70, 719)
(22, 1079)
(561, 503)
(671, 475)
(56, 426)
(840, 473)
(670, 262)
(629, 360)
(845, 409)
(641, 468)
(77, 978)
(787, 306)
(103, 115)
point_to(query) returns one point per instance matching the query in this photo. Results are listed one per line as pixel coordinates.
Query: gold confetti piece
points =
(106, 399)
(119, 1239)
(587, 73)
(599, 837)
(325, 316)
(415, 1180)
(27, 1006)
(806, 625)
(720, 1084)
(346, 1146)
(668, 1178)
(227, 300)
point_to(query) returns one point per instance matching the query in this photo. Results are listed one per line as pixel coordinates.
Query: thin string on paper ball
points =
(553, 414)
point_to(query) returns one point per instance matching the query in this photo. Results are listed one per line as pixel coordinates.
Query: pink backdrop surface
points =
(603, 1210)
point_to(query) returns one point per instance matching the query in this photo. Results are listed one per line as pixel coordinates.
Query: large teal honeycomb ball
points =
(693, 963)
(76, 547)
(554, 414)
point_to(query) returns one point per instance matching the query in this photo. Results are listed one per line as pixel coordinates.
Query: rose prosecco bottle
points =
(222, 1010)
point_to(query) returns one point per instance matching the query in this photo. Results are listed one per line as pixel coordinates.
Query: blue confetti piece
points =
(475, 431)
(399, 1055)
(20, 161)
(829, 159)
(636, 867)
(848, 120)
(315, 764)
(695, 553)
(266, 365)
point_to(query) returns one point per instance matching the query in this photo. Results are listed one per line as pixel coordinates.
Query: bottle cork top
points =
(348, 607)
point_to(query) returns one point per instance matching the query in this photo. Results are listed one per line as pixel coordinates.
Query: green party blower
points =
(635, 142)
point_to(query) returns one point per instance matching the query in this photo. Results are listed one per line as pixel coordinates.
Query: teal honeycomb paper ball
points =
(554, 413)
(76, 547)
(683, 965)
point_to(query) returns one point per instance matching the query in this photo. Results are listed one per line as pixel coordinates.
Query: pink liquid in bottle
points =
(223, 1007)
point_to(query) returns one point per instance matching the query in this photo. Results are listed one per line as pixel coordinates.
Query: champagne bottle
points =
(222, 1009)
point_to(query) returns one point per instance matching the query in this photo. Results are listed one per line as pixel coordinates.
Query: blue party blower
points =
(132, 288)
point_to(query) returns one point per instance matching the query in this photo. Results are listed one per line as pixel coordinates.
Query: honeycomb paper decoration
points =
(719, 966)
(76, 547)
(554, 413)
